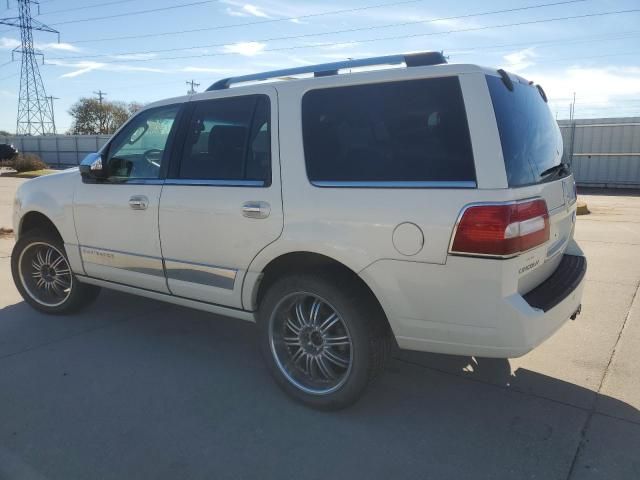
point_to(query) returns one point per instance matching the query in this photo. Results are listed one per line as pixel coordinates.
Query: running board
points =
(163, 297)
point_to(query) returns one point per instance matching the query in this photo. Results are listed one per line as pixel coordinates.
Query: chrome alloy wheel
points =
(45, 274)
(311, 343)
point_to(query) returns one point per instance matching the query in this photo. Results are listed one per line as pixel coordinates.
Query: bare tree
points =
(90, 116)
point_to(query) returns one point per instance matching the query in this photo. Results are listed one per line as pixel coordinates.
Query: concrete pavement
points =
(133, 388)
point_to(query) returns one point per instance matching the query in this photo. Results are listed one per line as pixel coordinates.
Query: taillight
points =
(501, 229)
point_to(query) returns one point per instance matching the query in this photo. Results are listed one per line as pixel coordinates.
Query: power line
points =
(368, 40)
(139, 12)
(292, 37)
(312, 15)
(590, 57)
(85, 7)
(558, 41)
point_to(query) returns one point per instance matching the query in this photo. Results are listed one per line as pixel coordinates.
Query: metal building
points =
(603, 152)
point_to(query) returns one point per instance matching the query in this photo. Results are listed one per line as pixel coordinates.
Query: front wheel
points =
(43, 276)
(322, 339)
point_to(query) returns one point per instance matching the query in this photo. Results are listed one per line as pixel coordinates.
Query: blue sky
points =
(598, 57)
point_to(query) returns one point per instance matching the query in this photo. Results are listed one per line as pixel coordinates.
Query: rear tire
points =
(43, 276)
(322, 339)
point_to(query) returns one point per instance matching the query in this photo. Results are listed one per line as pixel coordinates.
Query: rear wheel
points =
(322, 339)
(43, 276)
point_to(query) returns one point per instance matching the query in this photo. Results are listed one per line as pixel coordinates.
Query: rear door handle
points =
(139, 202)
(256, 209)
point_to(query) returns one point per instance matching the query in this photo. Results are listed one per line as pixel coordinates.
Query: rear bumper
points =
(560, 285)
(465, 308)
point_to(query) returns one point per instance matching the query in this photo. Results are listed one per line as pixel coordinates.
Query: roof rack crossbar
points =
(325, 69)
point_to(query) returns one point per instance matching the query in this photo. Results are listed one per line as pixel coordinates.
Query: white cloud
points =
(66, 47)
(599, 86)
(520, 60)
(134, 56)
(338, 46)
(248, 49)
(7, 43)
(207, 70)
(255, 11)
(235, 13)
(245, 10)
(80, 68)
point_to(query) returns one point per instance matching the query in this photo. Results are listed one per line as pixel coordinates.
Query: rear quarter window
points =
(407, 131)
(530, 136)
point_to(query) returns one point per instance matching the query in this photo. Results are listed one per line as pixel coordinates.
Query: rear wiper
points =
(558, 169)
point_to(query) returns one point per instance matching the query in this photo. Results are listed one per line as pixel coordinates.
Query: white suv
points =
(426, 205)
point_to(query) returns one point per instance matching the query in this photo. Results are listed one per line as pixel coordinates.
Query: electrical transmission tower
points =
(35, 112)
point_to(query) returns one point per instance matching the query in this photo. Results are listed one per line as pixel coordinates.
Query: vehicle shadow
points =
(134, 388)
(498, 372)
(230, 345)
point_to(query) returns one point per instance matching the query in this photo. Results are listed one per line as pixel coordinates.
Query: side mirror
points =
(91, 168)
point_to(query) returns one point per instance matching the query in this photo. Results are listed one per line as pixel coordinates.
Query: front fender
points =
(51, 196)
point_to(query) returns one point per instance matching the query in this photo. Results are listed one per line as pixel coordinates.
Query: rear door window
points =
(228, 139)
(530, 136)
(407, 131)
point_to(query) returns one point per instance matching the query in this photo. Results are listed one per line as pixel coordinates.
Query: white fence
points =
(603, 152)
(58, 150)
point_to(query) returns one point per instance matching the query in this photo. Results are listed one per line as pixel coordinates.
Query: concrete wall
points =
(58, 150)
(603, 152)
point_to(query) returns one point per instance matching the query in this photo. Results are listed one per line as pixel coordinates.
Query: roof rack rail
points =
(326, 69)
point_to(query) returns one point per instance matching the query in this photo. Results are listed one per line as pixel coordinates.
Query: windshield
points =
(530, 137)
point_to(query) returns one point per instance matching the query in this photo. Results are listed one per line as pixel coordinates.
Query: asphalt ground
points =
(134, 388)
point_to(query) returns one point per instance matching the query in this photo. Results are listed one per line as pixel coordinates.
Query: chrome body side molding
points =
(208, 275)
(393, 184)
(122, 260)
(202, 274)
(185, 302)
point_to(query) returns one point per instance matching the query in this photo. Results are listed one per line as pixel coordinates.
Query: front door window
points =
(137, 152)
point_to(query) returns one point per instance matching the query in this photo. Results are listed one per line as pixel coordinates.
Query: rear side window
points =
(530, 136)
(409, 131)
(228, 139)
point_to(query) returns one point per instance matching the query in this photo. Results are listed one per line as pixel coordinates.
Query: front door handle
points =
(139, 202)
(256, 209)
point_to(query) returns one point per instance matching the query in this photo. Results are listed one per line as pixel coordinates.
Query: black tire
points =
(75, 297)
(364, 322)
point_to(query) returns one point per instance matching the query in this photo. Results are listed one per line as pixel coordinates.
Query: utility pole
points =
(193, 84)
(53, 118)
(35, 116)
(102, 115)
(100, 94)
(573, 106)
